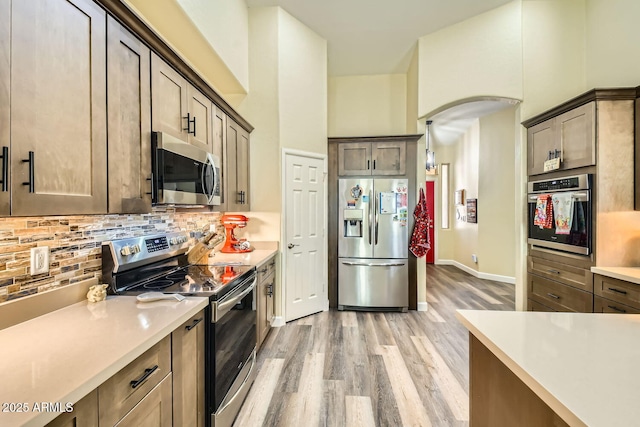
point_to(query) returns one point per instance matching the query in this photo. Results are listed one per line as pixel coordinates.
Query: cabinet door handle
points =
(618, 291)
(189, 121)
(193, 325)
(553, 296)
(553, 271)
(143, 378)
(368, 164)
(619, 310)
(31, 183)
(374, 165)
(5, 168)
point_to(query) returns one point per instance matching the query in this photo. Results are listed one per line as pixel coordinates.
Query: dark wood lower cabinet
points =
(497, 397)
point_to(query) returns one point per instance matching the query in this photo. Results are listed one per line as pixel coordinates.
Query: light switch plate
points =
(39, 260)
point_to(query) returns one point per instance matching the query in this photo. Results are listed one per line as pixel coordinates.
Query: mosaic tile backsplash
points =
(75, 244)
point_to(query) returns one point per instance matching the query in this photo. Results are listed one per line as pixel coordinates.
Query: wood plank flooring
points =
(374, 369)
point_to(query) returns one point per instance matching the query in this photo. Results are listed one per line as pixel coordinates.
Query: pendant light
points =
(431, 156)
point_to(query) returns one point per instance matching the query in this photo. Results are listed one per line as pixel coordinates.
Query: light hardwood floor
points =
(374, 369)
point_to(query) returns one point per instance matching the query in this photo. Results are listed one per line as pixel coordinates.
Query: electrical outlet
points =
(474, 258)
(39, 260)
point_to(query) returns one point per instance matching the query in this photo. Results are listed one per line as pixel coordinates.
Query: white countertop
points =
(257, 257)
(63, 355)
(630, 274)
(585, 366)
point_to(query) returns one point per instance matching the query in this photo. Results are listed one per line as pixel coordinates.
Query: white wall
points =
(481, 56)
(496, 194)
(211, 59)
(553, 37)
(302, 64)
(612, 43)
(368, 105)
(225, 25)
(412, 94)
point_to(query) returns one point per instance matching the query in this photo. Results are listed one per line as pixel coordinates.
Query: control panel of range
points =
(134, 250)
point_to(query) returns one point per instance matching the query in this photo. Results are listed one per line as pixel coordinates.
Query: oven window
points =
(234, 340)
(580, 227)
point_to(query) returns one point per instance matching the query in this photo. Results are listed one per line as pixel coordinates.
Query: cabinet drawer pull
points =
(32, 179)
(5, 168)
(619, 310)
(618, 291)
(193, 325)
(553, 296)
(553, 271)
(143, 378)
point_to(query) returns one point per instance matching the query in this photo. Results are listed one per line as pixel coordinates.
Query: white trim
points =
(277, 321)
(280, 320)
(423, 306)
(478, 274)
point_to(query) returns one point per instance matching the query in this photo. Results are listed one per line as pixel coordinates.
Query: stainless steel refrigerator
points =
(373, 239)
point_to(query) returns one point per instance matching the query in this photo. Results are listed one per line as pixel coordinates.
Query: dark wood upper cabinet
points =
(237, 168)
(129, 121)
(372, 158)
(58, 107)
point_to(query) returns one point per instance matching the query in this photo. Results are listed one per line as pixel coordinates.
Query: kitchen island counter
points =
(583, 366)
(63, 355)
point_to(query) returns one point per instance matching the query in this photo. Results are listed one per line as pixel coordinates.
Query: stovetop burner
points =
(205, 280)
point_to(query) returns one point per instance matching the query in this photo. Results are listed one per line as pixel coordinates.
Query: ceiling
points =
(376, 36)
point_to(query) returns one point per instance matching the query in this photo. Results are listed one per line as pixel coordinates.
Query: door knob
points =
(291, 245)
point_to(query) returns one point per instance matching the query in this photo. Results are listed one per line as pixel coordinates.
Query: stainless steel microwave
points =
(183, 174)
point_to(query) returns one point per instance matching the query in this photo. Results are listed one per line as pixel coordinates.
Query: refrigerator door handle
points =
(370, 219)
(375, 214)
(374, 264)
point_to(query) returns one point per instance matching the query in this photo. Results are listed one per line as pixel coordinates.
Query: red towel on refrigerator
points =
(420, 242)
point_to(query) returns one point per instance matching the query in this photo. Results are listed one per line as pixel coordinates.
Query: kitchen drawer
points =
(120, 393)
(621, 291)
(266, 269)
(603, 305)
(536, 306)
(558, 296)
(561, 272)
(154, 410)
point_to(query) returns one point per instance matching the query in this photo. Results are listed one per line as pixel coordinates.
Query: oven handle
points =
(580, 197)
(220, 309)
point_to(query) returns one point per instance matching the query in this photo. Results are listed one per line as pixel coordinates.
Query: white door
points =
(304, 244)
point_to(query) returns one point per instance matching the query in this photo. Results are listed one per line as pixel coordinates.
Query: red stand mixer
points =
(231, 244)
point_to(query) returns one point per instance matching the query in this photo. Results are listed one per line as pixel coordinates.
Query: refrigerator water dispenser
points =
(353, 222)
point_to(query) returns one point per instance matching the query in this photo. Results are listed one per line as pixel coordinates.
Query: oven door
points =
(578, 240)
(233, 344)
(183, 174)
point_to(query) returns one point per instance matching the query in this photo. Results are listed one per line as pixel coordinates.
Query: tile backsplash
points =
(75, 244)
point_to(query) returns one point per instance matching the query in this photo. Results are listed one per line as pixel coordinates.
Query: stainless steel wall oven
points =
(576, 236)
(158, 263)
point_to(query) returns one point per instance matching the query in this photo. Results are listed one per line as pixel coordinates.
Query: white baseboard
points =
(423, 306)
(478, 274)
(277, 322)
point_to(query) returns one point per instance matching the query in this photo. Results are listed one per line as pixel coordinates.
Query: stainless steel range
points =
(158, 263)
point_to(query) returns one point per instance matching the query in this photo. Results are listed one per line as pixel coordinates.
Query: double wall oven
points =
(158, 263)
(575, 239)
